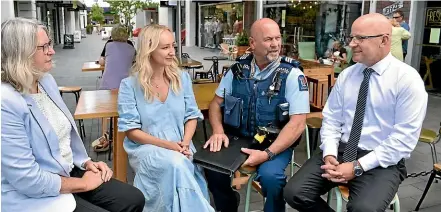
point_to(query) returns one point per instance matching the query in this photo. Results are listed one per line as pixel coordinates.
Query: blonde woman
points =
(339, 53)
(158, 113)
(45, 166)
(398, 35)
(117, 57)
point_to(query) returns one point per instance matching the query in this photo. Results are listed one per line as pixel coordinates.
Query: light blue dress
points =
(168, 180)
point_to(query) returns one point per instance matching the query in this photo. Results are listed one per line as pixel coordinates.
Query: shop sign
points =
(433, 17)
(392, 8)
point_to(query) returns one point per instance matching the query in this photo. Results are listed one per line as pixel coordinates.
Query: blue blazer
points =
(30, 154)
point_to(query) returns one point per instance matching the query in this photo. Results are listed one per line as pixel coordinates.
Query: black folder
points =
(227, 160)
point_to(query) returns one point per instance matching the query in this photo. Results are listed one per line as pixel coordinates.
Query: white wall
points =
(163, 16)
(69, 20)
(170, 18)
(190, 23)
(77, 20)
(27, 9)
(62, 23)
(140, 19)
(7, 9)
(416, 22)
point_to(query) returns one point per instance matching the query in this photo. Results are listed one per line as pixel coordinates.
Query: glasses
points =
(359, 38)
(46, 47)
(395, 17)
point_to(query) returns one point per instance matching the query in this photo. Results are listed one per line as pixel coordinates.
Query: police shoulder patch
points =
(245, 57)
(290, 61)
(303, 83)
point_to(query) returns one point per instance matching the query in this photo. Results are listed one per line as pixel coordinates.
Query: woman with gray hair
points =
(44, 163)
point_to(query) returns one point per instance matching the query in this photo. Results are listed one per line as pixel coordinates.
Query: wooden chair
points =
(187, 56)
(76, 90)
(428, 74)
(318, 92)
(320, 88)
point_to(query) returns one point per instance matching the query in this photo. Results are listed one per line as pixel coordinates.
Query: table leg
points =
(119, 155)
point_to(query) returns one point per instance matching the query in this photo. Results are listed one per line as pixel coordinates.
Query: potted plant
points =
(89, 29)
(242, 42)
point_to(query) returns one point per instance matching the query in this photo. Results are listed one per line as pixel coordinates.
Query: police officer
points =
(259, 84)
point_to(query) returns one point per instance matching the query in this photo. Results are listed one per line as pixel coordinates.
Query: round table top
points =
(218, 58)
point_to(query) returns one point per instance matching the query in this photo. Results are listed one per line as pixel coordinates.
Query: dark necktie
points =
(350, 153)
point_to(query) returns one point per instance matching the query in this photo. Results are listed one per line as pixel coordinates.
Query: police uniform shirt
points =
(296, 92)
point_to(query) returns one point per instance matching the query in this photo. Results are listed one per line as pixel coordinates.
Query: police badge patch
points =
(303, 84)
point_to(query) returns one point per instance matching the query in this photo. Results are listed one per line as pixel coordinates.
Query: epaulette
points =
(245, 57)
(294, 63)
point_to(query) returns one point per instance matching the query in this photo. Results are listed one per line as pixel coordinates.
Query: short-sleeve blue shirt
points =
(296, 96)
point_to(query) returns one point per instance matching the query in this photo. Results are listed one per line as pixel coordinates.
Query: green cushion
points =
(427, 136)
(337, 70)
(307, 50)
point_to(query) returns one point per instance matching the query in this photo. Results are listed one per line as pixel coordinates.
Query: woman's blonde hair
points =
(149, 41)
(394, 23)
(119, 33)
(19, 44)
(336, 44)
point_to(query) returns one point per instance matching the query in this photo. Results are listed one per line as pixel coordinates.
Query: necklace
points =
(157, 87)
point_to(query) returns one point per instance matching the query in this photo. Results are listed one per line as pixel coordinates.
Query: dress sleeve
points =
(127, 108)
(191, 108)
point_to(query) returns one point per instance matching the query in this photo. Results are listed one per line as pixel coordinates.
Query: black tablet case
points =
(227, 160)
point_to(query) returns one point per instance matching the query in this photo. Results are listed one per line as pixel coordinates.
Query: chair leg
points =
(111, 140)
(313, 138)
(248, 195)
(329, 197)
(204, 127)
(434, 156)
(292, 164)
(308, 144)
(397, 205)
(429, 183)
(81, 129)
(339, 206)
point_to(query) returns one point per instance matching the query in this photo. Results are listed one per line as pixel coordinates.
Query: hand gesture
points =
(99, 167)
(256, 157)
(215, 142)
(92, 180)
(330, 169)
(174, 146)
(186, 148)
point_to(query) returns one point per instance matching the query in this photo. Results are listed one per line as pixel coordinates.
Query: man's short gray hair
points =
(19, 44)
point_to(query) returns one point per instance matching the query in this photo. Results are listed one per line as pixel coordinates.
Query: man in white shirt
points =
(371, 123)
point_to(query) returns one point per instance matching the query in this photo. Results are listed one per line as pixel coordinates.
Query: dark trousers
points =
(404, 55)
(110, 196)
(372, 191)
(270, 174)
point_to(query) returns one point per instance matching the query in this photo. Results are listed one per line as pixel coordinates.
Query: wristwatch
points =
(358, 170)
(270, 154)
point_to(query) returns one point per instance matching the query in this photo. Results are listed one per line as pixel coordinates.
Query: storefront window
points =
(316, 22)
(220, 21)
(431, 48)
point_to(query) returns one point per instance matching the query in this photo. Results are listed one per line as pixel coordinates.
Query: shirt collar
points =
(381, 66)
(268, 67)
